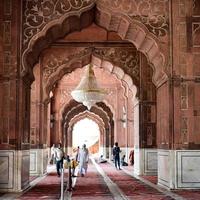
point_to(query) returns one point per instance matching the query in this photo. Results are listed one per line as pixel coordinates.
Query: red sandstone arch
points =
(127, 28)
(86, 114)
(78, 108)
(73, 104)
(81, 116)
(79, 62)
(95, 109)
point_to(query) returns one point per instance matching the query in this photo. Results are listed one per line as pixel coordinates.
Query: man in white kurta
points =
(83, 159)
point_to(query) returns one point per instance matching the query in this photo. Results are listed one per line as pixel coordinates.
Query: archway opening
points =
(86, 131)
(62, 58)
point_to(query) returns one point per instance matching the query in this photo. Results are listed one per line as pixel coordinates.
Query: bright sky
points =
(86, 132)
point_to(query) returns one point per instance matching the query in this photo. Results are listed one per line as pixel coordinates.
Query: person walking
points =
(116, 154)
(59, 155)
(83, 159)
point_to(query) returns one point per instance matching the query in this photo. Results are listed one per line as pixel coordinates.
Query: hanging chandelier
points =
(88, 91)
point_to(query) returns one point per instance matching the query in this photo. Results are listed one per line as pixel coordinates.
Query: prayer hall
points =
(100, 99)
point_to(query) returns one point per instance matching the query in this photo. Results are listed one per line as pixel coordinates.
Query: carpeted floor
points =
(131, 187)
(92, 186)
(152, 179)
(47, 188)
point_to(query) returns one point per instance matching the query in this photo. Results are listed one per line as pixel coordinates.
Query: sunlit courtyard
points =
(86, 132)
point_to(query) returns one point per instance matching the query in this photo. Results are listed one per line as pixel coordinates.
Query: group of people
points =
(82, 158)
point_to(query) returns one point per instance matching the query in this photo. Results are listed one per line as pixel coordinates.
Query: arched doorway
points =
(39, 37)
(99, 57)
(87, 132)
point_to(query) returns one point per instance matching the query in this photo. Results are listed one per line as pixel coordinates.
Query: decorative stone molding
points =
(53, 23)
(86, 114)
(152, 13)
(45, 21)
(135, 32)
(67, 65)
(126, 59)
(69, 106)
(95, 109)
(38, 13)
(53, 63)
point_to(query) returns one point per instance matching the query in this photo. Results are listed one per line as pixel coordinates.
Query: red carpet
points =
(152, 179)
(132, 188)
(92, 186)
(48, 188)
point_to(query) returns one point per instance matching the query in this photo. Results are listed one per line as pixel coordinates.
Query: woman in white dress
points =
(83, 159)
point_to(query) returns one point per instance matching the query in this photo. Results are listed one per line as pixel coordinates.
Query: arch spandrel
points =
(128, 71)
(127, 27)
(71, 112)
(88, 115)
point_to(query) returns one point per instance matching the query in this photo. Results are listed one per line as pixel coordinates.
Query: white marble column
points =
(14, 170)
(145, 161)
(179, 169)
(38, 161)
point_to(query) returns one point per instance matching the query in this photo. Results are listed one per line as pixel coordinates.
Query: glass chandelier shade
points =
(88, 91)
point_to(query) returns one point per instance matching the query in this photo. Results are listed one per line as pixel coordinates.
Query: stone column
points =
(14, 103)
(39, 126)
(145, 123)
(179, 154)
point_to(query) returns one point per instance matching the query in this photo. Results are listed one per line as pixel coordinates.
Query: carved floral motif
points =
(53, 62)
(196, 8)
(65, 95)
(37, 13)
(127, 59)
(152, 13)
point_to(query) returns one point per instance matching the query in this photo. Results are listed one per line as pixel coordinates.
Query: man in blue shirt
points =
(116, 154)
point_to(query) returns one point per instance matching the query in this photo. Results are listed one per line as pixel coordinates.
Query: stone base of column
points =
(38, 161)
(145, 161)
(14, 170)
(179, 169)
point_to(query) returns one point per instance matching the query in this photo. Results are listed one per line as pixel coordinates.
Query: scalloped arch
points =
(86, 114)
(79, 62)
(94, 117)
(72, 103)
(80, 108)
(127, 28)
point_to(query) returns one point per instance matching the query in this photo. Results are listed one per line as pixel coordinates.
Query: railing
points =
(69, 183)
(62, 185)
